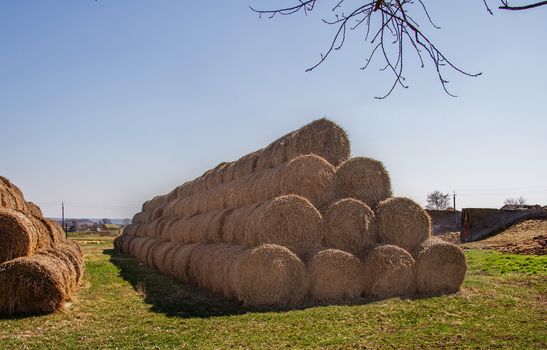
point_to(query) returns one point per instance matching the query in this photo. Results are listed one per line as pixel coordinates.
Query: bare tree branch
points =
(397, 30)
(506, 6)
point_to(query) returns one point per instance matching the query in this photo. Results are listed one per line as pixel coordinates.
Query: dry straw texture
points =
(34, 209)
(350, 226)
(40, 283)
(308, 176)
(290, 221)
(402, 222)
(388, 272)
(19, 235)
(440, 267)
(364, 179)
(11, 196)
(32, 285)
(335, 276)
(270, 275)
(321, 137)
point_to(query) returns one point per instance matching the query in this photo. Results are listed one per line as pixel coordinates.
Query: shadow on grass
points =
(171, 297)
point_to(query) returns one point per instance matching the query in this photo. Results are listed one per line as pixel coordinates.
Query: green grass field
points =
(124, 305)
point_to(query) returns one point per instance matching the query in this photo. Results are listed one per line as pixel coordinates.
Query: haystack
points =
(350, 226)
(270, 275)
(402, 222)
(388, 272)
(440, 267)
(364, 179)
(309, 176)
(290, 221)
(34, 209)
(335, 276)
(35, 284)
(19, 235)
(180, 262)
(233, 228)
(321, 137)
(11, 196)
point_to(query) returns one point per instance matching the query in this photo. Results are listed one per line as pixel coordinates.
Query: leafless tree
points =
(515, 201)
(438, 200)
(391, 27)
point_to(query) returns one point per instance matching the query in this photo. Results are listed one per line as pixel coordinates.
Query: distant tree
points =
(515, 201)
(438, 200)
(106, 221)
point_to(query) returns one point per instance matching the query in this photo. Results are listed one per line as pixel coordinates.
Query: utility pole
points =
(454, 205)
(63, 218)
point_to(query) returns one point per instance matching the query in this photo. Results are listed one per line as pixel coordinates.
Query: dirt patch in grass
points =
(526, 237)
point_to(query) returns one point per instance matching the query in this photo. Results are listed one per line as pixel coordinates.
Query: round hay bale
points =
(221, 264)
(279, 150)
(55, 230)
(125, 244)
(74, 255)
(214, 179)
(205, 227)
(157, 254)
(11, 196)
(167, 266)
(148, 251)
(440, 268)
(309, 176)
(131, 229)
(137, 247)
(158, 228)
(34, 210)
(246, 165)
(402, 222)
(388, 272)
(266, 185)
(183, 190)
(350, 226)
(140, 218)
(156, 214)
(18, 235)
(70, 267)
(335, 276)
(270, 275)
(142, 230)
(216, 198)
(234, 224)
(264, 159)
(201, 265)
(321, 137)
(32, 285)
(291, 221)
(167, 228)
(181, 262)
(179, 230)
(364, 179)
(228, 172)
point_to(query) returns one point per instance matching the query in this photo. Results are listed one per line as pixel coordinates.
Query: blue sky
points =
(105, 104)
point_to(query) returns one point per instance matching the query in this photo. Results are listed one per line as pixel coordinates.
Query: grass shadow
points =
(171, 297)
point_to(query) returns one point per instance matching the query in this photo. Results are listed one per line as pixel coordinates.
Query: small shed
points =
(111, 228)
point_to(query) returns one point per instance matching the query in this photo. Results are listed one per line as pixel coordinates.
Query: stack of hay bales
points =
(298, 220)
(39, 268)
